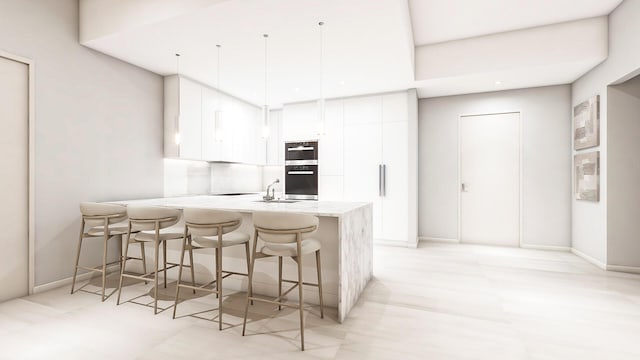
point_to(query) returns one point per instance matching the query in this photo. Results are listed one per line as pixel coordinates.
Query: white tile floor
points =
(441, 301)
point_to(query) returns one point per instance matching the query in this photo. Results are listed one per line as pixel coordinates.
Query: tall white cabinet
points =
(211, 125)
(376, 161)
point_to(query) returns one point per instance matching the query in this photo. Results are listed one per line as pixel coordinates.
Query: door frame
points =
(520, 171)
(31, 167)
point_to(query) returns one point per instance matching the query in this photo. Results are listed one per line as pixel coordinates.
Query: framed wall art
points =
(586, 124)
(587, 176)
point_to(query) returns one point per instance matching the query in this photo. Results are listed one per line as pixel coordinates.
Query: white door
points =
(490, 179)
(14, 140)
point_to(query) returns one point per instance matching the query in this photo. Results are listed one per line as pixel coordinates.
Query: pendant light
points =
(265, 107)
(176, 137)
(217, 112)
(321, 102)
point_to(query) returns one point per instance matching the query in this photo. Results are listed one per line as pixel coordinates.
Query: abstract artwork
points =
(586, 116)
(587, 176)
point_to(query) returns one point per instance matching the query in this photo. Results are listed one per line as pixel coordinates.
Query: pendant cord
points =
(266, 37)
(321, 23)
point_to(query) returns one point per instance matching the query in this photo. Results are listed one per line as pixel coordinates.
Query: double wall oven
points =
(301, 170)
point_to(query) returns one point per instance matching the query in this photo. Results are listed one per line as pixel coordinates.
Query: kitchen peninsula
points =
(345, 231)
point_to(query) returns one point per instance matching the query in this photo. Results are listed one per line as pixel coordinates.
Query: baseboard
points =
(623, 268)
(590, 259)
(393, 243)
(440, 240)
(545, 247)
(64, 282)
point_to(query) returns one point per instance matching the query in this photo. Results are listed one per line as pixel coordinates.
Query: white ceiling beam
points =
(100, 18)
(562, 52)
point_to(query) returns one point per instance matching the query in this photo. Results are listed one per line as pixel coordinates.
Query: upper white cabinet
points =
(275, 142)
(300, 121)
(202, 123)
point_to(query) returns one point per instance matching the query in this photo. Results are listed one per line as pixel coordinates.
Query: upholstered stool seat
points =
(104, 221)
(154, 224)
(216, 229)
(285, 235)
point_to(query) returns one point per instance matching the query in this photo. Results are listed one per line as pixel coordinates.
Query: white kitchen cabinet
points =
(233, 135)
(330, 188)
(376, 167)
(331, 143)
(300, 121)
(275, 142)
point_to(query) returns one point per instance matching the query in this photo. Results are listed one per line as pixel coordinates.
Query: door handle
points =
(464, 187)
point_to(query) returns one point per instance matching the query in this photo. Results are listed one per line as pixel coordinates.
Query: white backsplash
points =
(184, 177)
(233, 178)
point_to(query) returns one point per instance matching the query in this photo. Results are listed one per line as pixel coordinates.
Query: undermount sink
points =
(279, 201)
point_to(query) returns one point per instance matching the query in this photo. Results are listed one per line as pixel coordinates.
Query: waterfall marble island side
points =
(345, 231)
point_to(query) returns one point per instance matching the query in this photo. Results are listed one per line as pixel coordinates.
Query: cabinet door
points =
(331, 144)
(190, 123)
(395, 157)
(362, 157)
(210, 148)
(300, 121)
(362, 110)
(330, 188)
(275, 155)
(395, 107)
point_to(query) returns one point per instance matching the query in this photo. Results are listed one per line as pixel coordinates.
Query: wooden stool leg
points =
(300, 290)
(104, 261)
(155, 276)
(247, 252)
(144, 260)
(124, 264)
(175, 303)
(219, 281)
(249, 287)
(164, 258)
(280, 280)
(193, 273)
(319, 266)
(75, 271)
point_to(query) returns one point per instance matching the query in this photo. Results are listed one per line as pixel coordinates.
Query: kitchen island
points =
(345, 231)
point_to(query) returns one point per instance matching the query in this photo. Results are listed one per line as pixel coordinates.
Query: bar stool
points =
(285, 234)
(206, 229)
(149, 221)
(105, 221)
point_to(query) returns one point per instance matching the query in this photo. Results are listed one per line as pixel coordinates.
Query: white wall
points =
(546, 163)
(232, 178)
(623, 210)
(589, 219)
(186, 177)
(98, 127)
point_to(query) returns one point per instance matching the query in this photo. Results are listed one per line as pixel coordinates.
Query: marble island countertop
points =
(250, 203)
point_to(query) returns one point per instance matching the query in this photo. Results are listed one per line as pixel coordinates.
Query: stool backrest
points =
(94, 214)
(282, 227)
(144, 218)
(205, 222)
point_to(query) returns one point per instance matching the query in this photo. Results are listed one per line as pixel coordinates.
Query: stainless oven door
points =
(302, 150)
(301, 182)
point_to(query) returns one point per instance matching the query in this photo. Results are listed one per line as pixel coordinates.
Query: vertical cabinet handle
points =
(380, 180)
(384, 180)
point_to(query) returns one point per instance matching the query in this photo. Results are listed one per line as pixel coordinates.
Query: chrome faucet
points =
(268, 197)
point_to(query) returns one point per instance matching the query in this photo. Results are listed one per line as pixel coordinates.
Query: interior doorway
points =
(15, 118)
(489, 170)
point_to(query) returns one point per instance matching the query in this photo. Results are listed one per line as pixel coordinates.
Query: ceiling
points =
(369, 46)
(437, 21)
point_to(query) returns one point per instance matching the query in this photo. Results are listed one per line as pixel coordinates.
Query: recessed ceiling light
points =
(342, 82)
(296, 89)
(498, 82)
